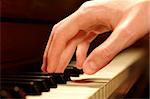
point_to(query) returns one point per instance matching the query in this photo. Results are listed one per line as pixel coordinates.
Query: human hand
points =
(128, 19)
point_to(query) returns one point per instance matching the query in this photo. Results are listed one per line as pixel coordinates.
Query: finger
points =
(69, 51)
(61, 36)
(124, 35)
(82, 49)
(81, 54)
(58, 44)
(44, 65)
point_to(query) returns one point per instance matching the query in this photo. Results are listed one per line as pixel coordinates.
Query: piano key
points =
(74, 90)
(48, 78)
(30, 88)
(72, 71)
(59, 78)
(5, 94)
(41, 83)
(62, 75)
(102, 84)
(66, 74)
(11, 92)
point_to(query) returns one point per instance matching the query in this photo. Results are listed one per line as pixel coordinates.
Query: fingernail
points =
(90, 67)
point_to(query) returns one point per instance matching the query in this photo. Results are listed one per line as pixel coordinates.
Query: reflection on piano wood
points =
(102, 84)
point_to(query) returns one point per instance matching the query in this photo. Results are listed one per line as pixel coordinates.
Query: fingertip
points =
(59, 70)
(90, 67)
(43, 68)
(88, 71)
(79, 62)
(78, 65)
(49, 69)
(80, 56)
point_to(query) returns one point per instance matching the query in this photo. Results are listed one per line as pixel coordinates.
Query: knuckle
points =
(86, 7)
(91, 5)
(90, 9)
(104, 53)
(58, 34)
(56, 31)
(87, 4)
(55, 27)
(125, 32)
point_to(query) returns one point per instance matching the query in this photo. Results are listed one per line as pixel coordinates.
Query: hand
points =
(128, 19)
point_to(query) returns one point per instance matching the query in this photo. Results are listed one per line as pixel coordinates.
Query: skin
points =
(128, 19)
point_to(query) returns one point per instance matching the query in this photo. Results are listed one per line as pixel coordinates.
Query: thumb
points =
(98, 58)
(105, 52)
(125, 34)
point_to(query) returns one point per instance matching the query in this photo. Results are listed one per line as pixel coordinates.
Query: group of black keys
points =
(20, 84)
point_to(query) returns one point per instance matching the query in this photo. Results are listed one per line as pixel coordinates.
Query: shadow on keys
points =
(25, 29)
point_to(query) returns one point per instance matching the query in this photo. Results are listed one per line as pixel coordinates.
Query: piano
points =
(25, 28)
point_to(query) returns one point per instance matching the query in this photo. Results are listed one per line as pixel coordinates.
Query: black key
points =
(41, 83)
(49, 80)
(5, 94)
(73, 71)
(59, 75)
(59, 78)
(63, 78)
(12, 92)
(30, 88)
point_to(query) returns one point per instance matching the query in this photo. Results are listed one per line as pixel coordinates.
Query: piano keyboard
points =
(73, 84)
